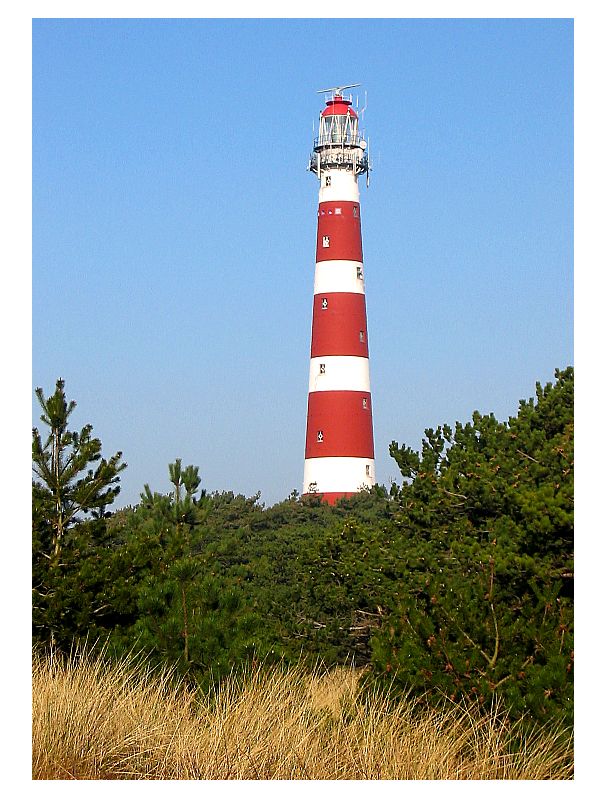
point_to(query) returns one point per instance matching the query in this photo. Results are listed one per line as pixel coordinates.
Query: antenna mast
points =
(337, 90)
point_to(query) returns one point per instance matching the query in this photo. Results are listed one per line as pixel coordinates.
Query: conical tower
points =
(339, 453)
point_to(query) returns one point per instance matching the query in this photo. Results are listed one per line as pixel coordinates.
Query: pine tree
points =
(485, 531)
(69, 485)
(74, 481)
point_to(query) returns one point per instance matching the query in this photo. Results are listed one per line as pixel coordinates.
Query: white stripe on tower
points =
(339, 276)
(339, 373)
(339, 454)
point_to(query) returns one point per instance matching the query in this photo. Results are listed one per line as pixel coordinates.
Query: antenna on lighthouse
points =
(337, 90)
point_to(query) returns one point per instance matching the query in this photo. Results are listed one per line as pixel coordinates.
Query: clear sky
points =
(174, 229)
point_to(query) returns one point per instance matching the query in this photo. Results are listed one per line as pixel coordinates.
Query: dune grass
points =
(94, 720)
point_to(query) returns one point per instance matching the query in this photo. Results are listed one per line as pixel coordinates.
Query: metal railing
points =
(334, 156)
(334, 139)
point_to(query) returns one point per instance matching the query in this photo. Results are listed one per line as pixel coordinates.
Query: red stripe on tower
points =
(339, 454)
(339, 325)
(338, 232)
(329, 414)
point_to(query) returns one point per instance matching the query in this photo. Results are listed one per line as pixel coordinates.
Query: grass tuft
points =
(97, 720)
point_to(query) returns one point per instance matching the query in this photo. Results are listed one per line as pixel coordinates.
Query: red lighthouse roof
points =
(338, 106)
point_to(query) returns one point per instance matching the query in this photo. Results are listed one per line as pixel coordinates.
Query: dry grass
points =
(93, 720)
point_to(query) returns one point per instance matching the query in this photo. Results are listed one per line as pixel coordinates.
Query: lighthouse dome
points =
(338, 106)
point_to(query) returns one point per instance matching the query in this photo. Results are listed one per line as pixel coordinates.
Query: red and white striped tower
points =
(339, 454)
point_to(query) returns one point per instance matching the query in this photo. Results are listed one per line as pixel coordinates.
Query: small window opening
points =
(364, 402)
(361, 336)
(322, 369)
(326, 241)
(324, 303)
(359, 273)
(338, 210)
(355, 211)
(368, 469)
(328, 180)
(312, 487)
(319, 436)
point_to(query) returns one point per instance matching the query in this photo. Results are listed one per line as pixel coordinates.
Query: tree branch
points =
(526, 456)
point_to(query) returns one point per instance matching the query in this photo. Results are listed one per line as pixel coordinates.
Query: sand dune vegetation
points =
(452, 592)
(97, 720)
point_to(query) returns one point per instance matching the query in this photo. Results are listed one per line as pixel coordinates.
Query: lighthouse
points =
(339, 453)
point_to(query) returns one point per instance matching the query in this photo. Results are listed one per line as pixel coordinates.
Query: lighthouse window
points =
(328, 180)
(326, 241)
(364, 401)
(322, 369)
(361, 336)
(319, 436)
(359, 273)
(355, 211)
(338, 210)
(324, 303)
(367, 469)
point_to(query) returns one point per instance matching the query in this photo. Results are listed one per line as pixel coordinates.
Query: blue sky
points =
(174, 229)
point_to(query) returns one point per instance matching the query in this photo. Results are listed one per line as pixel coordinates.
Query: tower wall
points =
(339, 451)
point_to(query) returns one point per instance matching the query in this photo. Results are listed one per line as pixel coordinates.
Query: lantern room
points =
(340, 145)
(338, 124)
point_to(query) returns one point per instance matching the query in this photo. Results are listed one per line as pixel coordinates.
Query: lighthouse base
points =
(330, 498)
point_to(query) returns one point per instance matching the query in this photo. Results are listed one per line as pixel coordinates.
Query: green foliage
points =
(187, 612)
(486, 562)
(69, 485)
(73, 480)
(459, 582)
